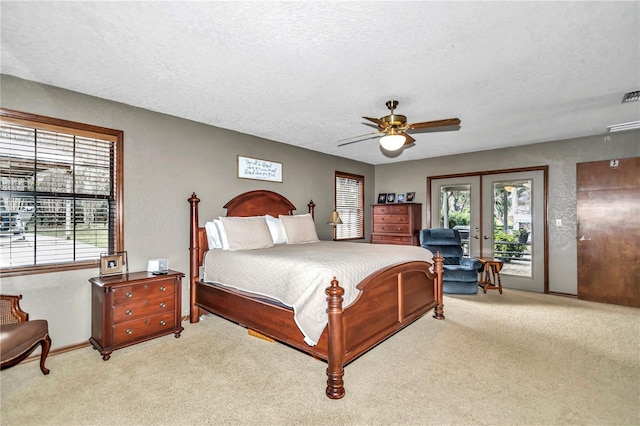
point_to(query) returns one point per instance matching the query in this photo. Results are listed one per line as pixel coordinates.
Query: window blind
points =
(350, 206)
(58, 199)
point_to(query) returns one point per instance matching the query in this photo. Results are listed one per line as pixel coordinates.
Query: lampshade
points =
(334, 219)
(392, 142)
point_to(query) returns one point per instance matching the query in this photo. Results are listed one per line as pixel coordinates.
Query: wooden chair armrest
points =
(10, 311)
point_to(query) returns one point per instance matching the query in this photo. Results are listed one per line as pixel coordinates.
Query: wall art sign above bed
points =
(255, 168)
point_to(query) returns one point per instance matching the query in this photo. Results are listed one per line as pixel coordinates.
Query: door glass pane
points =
(455, 211)
(512, 226)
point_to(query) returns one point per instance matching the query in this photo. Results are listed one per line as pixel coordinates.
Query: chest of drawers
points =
(134, 307)
(396, 223)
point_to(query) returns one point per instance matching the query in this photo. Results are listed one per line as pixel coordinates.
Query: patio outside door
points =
(499, 215)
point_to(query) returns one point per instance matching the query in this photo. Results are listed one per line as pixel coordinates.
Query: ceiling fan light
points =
(392, 142)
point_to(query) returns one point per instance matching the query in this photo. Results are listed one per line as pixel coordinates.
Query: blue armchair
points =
(460, 275)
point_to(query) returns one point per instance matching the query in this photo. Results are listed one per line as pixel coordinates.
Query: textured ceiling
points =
(304, 73)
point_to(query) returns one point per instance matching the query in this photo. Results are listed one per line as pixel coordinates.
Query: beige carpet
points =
(513, 359)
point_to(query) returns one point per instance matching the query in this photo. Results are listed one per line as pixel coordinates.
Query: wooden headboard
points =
(259, 203)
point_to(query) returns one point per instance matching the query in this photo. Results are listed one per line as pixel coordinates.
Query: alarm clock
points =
(158, 266)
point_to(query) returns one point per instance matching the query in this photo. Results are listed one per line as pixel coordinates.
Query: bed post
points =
(312, 208)
(335, 353)
(438, 312)
(194, 251)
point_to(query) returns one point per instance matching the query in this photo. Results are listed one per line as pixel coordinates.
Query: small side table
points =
(491, 279)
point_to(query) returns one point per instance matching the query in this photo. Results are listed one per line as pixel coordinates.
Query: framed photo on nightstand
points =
(113, 264)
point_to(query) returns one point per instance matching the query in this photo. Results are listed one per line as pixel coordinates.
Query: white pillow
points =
(278, 234)
(224, 241)
(213, 237)
(299, 228)
(247, 233)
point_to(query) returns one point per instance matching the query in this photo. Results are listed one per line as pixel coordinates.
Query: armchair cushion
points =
(472, 263)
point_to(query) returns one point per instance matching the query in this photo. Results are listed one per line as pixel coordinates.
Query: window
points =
(60, 193)
(350, 206)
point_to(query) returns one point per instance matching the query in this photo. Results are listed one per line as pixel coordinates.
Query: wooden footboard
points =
(389, 300)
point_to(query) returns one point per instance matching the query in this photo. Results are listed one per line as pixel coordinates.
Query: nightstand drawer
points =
(143, 291)
(143, 327)
(143, 308)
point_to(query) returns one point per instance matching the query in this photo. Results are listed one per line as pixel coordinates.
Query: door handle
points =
(583, 238)
(477, 237)
(486, 237)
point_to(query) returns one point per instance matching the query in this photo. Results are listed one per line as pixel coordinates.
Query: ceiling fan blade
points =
(375, 120)
(436, 123)
(359, 136)
(408, 139)
(358, 140)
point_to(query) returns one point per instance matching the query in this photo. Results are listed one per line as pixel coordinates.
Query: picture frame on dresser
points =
(410, 197)
(391, 197)
(400, 198)
(382, 198)
(113, 263)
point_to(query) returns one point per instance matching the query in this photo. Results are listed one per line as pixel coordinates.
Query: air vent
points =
(631, 97)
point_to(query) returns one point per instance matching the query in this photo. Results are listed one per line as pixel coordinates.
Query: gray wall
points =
(165, 160)
(168, 158)
(560, 156)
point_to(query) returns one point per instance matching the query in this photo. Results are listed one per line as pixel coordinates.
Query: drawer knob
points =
(162, 304)
(129, 312)
(129, 294)
(163, 288)
(129, 331)
(163, 322)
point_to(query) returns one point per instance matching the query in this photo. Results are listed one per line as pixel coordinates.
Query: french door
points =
(498, 215)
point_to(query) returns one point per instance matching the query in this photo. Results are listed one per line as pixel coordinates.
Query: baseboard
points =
(58, 351)
(557, 293)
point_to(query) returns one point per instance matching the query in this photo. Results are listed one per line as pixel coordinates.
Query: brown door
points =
(608, 203)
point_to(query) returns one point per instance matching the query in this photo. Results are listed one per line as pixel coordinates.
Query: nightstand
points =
(131, 308)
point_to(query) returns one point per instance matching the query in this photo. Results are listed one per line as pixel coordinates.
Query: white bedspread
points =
(297, 275)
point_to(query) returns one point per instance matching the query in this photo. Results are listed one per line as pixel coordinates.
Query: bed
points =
(387, 300)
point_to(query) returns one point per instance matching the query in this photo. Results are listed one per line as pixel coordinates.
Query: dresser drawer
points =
(127, 294)
(390, 218)
(390, 239)
(135, 330)
(143, 308)
(388, 228)
(392, 208)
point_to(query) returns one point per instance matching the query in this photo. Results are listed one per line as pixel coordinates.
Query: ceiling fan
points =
(395, 127)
